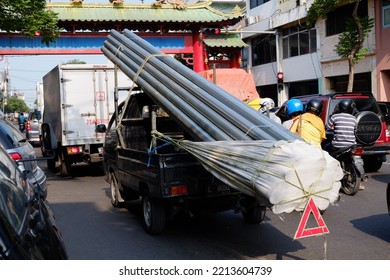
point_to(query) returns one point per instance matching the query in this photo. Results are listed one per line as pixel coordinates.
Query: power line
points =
(26, 70)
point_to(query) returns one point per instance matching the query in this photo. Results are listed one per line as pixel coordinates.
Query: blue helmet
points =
(294, 106)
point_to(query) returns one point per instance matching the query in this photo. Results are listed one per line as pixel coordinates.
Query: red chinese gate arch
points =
(174, 29)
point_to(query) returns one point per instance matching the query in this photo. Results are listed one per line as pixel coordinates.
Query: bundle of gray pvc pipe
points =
(270, 168)
(203, 109)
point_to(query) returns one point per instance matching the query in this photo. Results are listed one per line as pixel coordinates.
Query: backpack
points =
(22, 119)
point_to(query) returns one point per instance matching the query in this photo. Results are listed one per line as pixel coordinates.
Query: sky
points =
(26, 71)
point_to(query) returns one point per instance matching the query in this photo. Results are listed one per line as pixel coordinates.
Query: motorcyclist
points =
(343, 123)
(294, 108)
(21, 122)
(309, 125)
(266, 104)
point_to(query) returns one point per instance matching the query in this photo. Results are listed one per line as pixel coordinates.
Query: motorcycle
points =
(22, 127)
(351, 162)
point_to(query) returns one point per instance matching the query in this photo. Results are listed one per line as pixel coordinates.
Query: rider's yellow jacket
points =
(310, 127)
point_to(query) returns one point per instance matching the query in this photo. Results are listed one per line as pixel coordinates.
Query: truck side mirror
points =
(101, 128)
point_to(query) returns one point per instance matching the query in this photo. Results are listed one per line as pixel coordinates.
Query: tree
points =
(350, 45)
(15, 104)
(30, 18)
(75, 61)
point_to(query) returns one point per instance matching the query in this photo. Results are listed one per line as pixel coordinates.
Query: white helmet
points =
(266, 104)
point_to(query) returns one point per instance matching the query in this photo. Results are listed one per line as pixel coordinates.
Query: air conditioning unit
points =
(250, 20)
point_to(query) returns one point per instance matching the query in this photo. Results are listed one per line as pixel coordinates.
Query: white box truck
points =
(77, 97)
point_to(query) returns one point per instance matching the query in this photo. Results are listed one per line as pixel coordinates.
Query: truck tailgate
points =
(85, 103)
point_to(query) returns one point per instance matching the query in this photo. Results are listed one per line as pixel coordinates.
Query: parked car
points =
(33, 127)
(372, 130)
(27, 226)
(22, 151)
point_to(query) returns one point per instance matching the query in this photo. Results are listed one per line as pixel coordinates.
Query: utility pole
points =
(5, 82)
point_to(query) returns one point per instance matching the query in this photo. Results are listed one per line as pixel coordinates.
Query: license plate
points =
(218, 188)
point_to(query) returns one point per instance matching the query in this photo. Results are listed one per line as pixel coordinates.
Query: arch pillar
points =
(199, 57)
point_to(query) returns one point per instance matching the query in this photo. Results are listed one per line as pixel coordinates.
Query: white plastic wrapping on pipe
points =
(286, 173)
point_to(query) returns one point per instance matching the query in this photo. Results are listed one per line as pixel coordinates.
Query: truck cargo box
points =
(76, 98)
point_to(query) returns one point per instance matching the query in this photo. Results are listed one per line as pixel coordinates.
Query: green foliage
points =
(29, 17)
(349, 40)
(76, 61)
(320, 8)
(15, 104)
(350, 43)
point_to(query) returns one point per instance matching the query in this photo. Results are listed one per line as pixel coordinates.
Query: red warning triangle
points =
(302, 231)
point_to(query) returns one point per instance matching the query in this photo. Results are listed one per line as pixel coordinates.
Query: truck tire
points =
(116, 198)
(254, 214)
(372, 163)
(154, 215)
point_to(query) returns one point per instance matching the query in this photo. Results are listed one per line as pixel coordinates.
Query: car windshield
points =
(13, 192)
(362, 104)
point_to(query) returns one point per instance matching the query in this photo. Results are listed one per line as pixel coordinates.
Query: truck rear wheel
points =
(372, 163)
(116, 198)
(254, 214)
(154, 215)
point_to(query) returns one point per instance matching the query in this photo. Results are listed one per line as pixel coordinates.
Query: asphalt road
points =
(359, 227)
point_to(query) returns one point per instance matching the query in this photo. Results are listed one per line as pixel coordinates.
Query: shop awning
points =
(224, 41)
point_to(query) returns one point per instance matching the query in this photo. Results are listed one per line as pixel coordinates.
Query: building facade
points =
(382, 29)
(306, 54)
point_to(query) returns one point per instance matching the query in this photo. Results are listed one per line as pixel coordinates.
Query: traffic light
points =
(211, 31)
(279, 76)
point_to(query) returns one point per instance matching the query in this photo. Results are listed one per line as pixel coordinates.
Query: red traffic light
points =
(279, 76)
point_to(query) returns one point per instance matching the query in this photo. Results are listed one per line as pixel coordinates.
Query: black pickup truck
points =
(168, 180)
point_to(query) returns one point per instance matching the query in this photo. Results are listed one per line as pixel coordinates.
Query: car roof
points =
(336, 95)
(13, 141)
(7, 136)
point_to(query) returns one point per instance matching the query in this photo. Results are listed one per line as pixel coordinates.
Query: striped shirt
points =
(344, 126)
